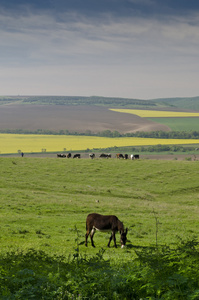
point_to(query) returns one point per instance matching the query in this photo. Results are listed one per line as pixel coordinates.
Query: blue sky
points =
(119, 48)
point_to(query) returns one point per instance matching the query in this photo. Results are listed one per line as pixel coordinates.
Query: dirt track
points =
(188, 157)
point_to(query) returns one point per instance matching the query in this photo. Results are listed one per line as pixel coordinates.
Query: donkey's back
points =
(101, 222)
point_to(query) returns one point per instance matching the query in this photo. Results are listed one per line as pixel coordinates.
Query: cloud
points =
(42, 36)
(83, 50)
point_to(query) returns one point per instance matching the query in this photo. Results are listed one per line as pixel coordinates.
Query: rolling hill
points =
(79, 114)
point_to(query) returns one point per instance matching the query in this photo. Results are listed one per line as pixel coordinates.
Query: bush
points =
(157, 273)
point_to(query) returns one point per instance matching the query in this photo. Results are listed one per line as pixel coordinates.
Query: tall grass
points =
(162, 273)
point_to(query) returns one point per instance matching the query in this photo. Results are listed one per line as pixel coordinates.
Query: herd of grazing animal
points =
(102, 155)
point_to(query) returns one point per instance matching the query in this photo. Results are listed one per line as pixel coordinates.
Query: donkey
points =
(105, 223)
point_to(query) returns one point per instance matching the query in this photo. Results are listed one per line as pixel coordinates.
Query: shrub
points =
(157, 273)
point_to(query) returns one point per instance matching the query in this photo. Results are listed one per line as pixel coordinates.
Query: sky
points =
(141, 49)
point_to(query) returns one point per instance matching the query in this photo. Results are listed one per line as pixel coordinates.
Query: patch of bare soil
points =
(73, 118)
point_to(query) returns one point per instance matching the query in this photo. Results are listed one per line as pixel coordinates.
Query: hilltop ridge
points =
(184, 103)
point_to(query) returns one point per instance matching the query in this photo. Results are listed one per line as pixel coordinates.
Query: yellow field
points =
(12, 143)
(156, 114)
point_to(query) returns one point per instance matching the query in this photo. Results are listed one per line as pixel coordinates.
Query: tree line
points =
(111, 134)
(83, 100)
(152, 148)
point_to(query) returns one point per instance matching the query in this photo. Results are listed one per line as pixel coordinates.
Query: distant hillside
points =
(91, 115)
(189, 103)
(93, 100)
(80, 100)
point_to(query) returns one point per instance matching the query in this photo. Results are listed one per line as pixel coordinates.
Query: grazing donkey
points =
(105, 223)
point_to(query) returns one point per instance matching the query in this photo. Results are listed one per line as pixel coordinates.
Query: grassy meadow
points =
(44, 200)
(179, 124)
(44, 204)
(30, 143)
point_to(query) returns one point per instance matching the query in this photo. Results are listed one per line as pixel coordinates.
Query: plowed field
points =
(72, 118)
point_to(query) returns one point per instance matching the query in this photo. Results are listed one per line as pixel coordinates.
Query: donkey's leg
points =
(110, 239)
(114, 238)
(86, 236)
(91, 236)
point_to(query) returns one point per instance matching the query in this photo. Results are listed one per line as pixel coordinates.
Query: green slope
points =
(189, 103)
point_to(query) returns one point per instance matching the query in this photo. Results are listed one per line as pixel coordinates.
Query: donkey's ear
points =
(126, 230)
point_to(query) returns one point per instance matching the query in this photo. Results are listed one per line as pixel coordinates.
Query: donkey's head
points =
(123, 237)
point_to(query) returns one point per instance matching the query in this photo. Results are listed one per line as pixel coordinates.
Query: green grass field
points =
(179, 124)
(43, 200)
(44, 204)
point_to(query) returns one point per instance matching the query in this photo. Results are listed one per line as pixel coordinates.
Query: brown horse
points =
(105, 223)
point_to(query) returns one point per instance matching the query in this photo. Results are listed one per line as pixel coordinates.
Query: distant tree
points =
(116, 134)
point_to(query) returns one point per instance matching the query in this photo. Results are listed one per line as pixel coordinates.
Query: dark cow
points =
(126, 156)
(61, 155)
(103, 155)
(69, 155)
(119, 155)
(135, 156)
(92, 155)
(105, 223)
(76, 156)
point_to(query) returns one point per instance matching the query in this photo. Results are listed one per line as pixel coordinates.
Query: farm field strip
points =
(156, 114)
(12, 143)
(178, 124)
